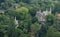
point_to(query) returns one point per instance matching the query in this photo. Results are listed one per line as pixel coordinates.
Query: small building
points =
(40, 16)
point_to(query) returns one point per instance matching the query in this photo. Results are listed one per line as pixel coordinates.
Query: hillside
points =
(29, 18)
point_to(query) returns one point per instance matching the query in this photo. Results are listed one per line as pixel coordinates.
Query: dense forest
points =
(18, 18)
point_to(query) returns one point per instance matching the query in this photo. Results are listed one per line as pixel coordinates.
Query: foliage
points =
(50, 18)
(52, 32)
(24, 13)
(22, 9)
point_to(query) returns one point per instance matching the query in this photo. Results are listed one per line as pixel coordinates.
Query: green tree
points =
(52, 32)
(50, 19)
(23, 12)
